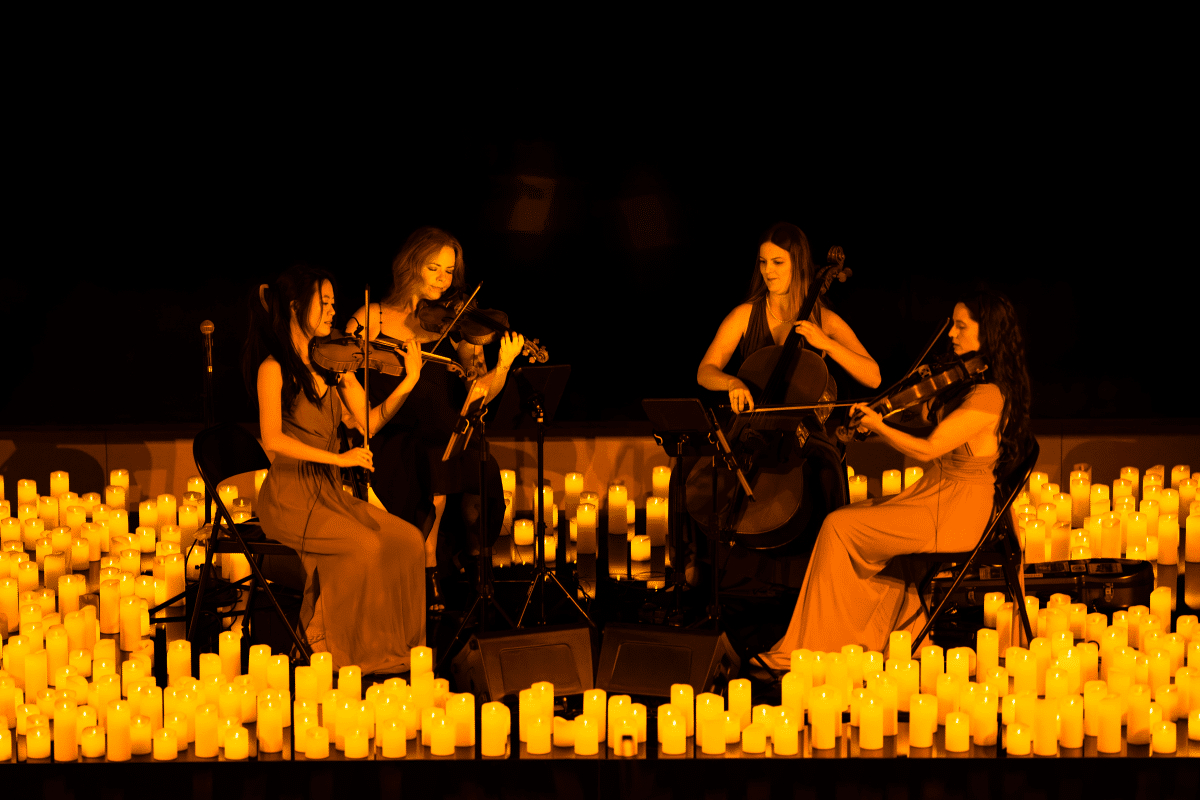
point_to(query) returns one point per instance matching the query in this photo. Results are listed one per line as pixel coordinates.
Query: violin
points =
(923, 384)
(794, 396)
(340, 353)
(479, 326)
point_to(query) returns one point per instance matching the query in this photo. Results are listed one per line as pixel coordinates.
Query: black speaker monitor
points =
(495, 665)
(647, 659)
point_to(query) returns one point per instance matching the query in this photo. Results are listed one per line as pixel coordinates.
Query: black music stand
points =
(684, 428)
(529, 401)
(470, 422)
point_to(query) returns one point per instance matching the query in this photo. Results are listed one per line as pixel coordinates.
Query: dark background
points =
(125, 238)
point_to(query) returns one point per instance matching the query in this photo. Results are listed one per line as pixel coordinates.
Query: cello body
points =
(794, 469)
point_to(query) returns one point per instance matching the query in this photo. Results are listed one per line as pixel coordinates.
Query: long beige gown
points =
(851, 594)
(365, 592)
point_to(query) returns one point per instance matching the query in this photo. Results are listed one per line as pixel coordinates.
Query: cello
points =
(773, 444)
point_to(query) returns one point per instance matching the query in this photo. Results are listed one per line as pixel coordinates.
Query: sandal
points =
(433, 592)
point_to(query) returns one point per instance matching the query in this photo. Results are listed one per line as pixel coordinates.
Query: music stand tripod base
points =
(529, 401)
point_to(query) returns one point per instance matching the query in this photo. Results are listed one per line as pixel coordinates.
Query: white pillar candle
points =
(912, 475)
(682, 698)
(1080, 503)
(922, 720)
(656, 520)
(870, 722)
(858, 488)
(618, 499)
(165, 510)
(1099, 503)
(114, 496)
(523, 532)
(891, 482)
(1035, 541)
(27, 491)
(1060, 538)
(494, 730)
(639, 548)
(586, 523)
(660, 481)
(933, 665)
(1187, 496)
(825, 714)
(508, 480)
(958, 732)
(991, 604)
(538, 731)
(1036, 481)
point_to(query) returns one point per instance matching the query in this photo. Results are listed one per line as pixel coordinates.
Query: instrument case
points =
(1104, 584)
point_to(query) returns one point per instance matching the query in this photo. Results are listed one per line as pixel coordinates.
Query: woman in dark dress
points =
(785, 271)
(777, 291)
(410, 478)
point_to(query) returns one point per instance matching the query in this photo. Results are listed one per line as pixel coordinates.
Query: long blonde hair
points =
(422, 245)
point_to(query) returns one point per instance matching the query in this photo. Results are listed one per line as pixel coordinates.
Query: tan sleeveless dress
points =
(851, 594)
(365, 567)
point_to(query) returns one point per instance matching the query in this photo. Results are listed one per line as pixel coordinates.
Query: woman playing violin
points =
(850, 594)
(411, 479)
(778, 288)
(364, 599)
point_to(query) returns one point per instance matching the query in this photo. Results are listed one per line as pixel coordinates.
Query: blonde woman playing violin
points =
(410, 477)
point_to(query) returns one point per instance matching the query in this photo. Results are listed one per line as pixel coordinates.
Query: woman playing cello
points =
(785, 272)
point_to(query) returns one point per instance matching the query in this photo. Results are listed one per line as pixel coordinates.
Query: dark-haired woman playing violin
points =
(364, 599)
(850, 596)
(410, 478)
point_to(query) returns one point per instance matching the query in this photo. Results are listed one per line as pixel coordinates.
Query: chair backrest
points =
(1010, 486)
(225, 450)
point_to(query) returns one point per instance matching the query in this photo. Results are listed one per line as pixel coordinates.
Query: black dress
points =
(408, 450)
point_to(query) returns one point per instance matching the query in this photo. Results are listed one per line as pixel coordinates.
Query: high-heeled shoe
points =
(433, 592)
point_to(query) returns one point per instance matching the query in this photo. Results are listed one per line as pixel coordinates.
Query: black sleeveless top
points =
(758, 332)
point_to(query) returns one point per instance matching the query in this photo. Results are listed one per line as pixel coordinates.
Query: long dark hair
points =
(271, 308)
(792, 239)
(421, 246)
(1002, 346)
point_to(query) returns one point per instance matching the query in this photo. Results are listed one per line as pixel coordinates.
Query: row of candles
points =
(1093, 521)
(581, 508)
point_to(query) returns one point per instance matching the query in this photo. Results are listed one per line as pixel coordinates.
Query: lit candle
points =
(618, 500)
(508, 480)
(639, 548)
(958, 732)
(858, 488)
(494, 722)
(316, 743)
(1035, 541)
(912, 475)
(586, 523)
(922, 720)
(891, 482)
(538, 731)
(674, 736)
(1060, 538)
(1187, 495)
(825, 714)
(523, 533)
(656, 520)
(870, 722)
(682, 698)
(572, 486)
(933, 665)
(1036, 481)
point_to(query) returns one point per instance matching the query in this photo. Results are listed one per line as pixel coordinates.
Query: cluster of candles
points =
(76, 668)
(581, 506)
(1079, 677)
(1137, 520)
(891, 479)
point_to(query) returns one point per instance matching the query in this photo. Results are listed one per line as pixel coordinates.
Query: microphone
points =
(207, 329)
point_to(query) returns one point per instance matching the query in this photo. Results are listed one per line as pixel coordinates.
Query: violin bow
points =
(461, 311)
(367, 382)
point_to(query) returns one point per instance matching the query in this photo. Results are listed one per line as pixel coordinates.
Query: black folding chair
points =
(998, 546)
(221, 452)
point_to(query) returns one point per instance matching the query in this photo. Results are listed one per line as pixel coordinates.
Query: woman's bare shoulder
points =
(985, 397)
